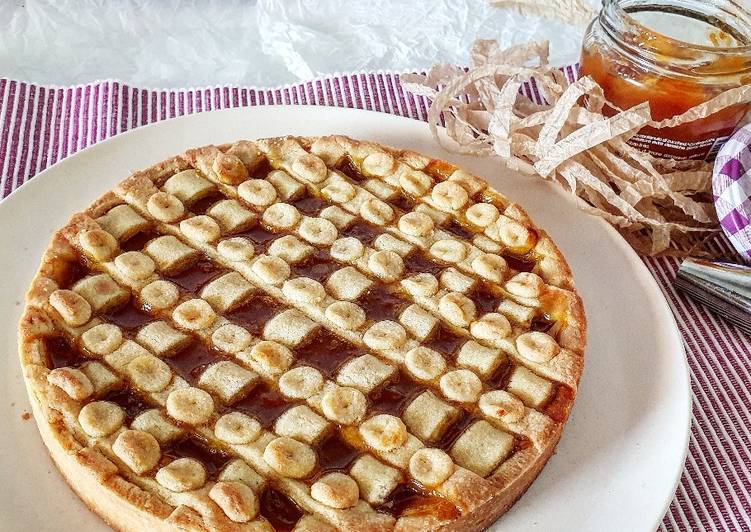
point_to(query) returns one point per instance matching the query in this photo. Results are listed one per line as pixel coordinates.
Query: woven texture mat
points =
(42, 125)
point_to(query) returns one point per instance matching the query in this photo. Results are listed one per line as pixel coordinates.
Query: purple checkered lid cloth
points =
(731, 185)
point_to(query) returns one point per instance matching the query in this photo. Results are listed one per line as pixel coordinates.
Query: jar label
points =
(705, 149)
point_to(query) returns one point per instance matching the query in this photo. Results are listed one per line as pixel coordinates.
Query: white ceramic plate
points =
(622, 452)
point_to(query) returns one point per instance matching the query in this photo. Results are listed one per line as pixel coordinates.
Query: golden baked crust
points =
(302, 333)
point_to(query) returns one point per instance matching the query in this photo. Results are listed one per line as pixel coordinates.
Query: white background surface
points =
(623, 449)
(168, 43)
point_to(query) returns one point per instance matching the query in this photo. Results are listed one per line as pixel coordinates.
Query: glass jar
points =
(675, 54)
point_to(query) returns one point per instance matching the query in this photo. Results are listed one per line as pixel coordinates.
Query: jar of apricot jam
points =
(674, 54)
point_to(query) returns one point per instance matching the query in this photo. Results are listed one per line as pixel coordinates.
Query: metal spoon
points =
(723, 287)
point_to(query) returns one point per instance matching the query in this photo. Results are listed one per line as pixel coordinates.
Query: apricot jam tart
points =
(301, 334)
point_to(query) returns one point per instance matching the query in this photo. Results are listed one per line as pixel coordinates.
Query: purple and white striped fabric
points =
(41, 125)
(731, 185)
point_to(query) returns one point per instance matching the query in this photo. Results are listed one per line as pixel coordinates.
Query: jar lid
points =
(731, 185)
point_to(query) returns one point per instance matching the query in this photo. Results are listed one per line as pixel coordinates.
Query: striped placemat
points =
(41, 125)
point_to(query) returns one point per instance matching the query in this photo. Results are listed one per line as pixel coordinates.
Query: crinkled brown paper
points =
(660, 206)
